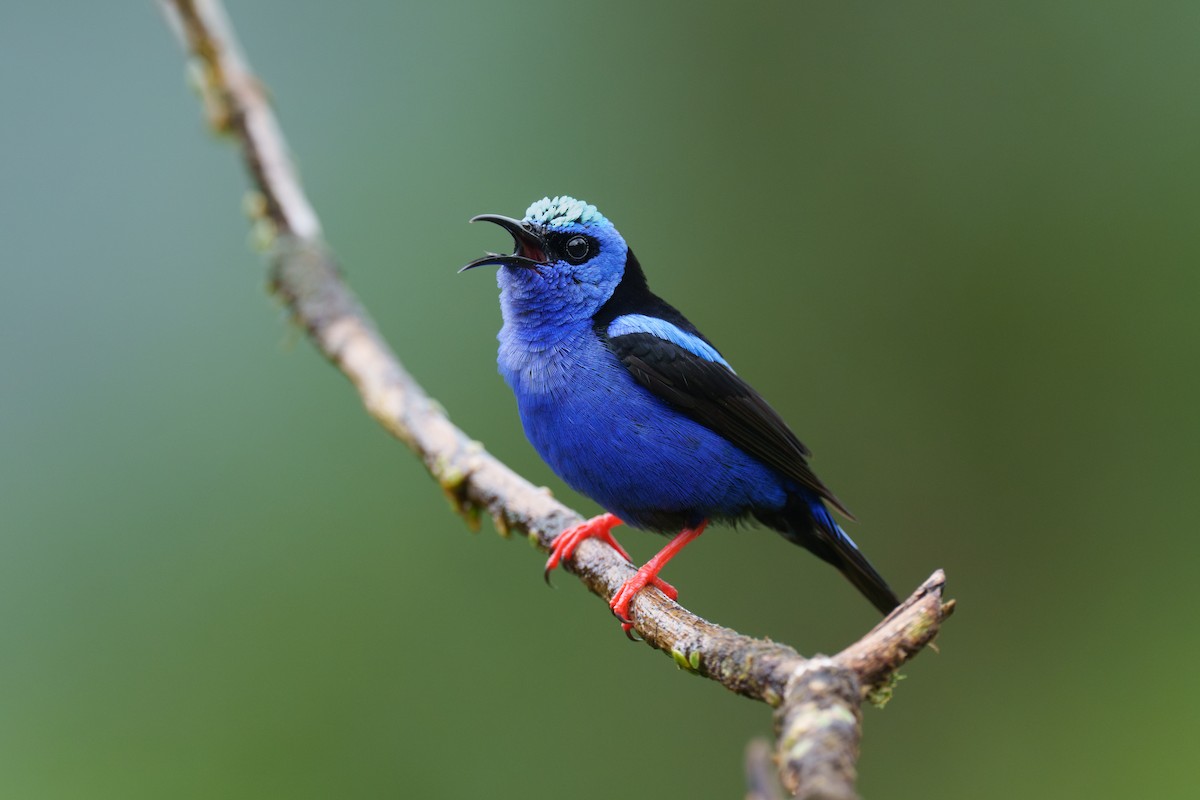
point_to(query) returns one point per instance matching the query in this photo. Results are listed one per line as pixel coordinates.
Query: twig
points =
(761, 780)
(817, 700)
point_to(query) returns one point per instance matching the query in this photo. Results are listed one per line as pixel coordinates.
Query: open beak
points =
(529, 252)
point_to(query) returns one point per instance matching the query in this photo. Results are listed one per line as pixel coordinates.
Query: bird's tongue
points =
(529, 249)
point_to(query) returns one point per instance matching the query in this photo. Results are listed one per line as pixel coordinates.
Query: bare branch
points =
(817, 700)
(876, 657)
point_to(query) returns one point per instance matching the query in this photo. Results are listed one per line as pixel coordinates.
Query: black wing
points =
(713, 395)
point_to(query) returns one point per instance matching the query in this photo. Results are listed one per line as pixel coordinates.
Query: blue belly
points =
(617, 443)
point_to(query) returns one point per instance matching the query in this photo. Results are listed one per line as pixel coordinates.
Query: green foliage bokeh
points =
(955, 245)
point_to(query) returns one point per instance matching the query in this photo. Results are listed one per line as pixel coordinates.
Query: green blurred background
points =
(955, 245)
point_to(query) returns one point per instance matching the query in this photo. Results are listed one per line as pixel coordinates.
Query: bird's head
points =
(568, 259)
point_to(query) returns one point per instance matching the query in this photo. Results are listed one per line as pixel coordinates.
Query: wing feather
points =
(712, 394)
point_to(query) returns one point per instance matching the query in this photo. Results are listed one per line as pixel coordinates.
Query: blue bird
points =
(632, 406)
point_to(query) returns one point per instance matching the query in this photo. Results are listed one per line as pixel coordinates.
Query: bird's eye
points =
(577, 249)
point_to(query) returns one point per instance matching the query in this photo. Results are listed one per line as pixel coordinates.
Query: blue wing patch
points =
(640, 323)
(825, 520)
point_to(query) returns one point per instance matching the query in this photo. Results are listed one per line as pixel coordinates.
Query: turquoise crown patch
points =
(562, 211)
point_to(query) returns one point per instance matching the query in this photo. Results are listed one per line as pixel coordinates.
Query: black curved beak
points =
(530, 249)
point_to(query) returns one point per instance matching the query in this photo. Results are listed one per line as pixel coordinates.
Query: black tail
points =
(809, 524)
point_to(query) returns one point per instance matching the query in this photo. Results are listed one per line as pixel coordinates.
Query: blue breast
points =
(617, 443)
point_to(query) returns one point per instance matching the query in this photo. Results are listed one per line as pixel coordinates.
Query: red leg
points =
(595, 528)
(648, 575)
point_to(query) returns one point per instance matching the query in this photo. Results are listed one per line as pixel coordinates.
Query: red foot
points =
(595, 528)
(648, 575)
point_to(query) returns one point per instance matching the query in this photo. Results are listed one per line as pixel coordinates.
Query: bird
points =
(632, 406)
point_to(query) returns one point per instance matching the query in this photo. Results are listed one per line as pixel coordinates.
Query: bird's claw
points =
(670, 591)
(563, 546)
(619, 605)
(626, 627)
